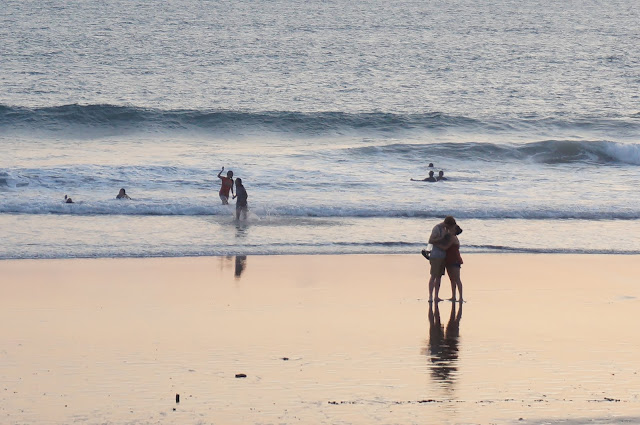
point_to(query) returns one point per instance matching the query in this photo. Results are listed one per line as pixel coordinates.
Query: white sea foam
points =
(188, 207)
(628, 153)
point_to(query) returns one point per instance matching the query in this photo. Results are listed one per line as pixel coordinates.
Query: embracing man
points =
(440, 239)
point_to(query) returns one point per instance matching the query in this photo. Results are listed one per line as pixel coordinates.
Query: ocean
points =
(326, 110)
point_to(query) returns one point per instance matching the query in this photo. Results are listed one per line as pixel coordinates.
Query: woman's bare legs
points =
(450, 272)
(456, 283)
(453, 285)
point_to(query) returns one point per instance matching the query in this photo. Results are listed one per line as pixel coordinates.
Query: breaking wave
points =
(547, 152)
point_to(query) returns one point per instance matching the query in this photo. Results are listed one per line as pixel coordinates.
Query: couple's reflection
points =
(442, 347)
(240, 264)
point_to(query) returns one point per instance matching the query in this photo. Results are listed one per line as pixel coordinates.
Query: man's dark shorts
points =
(437, 266)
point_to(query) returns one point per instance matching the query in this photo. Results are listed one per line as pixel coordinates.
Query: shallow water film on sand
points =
(343, 339)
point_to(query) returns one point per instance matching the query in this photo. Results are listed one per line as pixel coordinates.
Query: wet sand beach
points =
(343, 339)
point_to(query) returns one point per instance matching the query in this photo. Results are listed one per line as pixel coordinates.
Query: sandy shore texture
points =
(542, 339)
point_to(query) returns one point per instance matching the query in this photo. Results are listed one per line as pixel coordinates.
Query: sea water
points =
(326, 110)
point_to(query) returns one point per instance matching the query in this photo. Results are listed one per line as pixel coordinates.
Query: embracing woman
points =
(453, 262)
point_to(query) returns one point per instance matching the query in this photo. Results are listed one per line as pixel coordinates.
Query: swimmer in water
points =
(426, 179)
(441, 176)
(122, 195)
(67, 200)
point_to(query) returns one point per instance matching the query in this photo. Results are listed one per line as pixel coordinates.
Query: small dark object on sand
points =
(240, 375)
(177, 398)
(285, 358)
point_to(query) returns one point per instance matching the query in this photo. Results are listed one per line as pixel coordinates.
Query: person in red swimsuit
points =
(453, 262)
(225, 186)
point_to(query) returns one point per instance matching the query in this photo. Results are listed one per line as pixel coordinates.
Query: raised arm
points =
(220, 173)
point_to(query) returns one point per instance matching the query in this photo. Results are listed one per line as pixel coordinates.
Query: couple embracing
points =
(445, 255)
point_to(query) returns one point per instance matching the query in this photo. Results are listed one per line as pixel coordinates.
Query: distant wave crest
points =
(547, 152)
(127, 117)
(75, 117)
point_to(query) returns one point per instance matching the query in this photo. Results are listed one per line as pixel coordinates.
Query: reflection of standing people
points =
(453, 328)
(225, 186)
(436, 332)
(442, 347)
(241, 204)
(440, 239)
(454, 262)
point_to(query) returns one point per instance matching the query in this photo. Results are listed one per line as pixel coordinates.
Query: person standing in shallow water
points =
(241, 204)
(225, 186)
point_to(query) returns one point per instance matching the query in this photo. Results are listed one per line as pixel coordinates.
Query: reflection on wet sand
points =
(241, 264)
(442, 346)
(225, 262)
(238, 263)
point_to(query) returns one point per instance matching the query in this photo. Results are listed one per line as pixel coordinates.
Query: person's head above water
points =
(441, 173)
(430, 173)
(230, 174)
(430, 164)
(122, 194)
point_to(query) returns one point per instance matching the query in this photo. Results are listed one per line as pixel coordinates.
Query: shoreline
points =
(51, 237)
(321, 339)
(345, 254)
